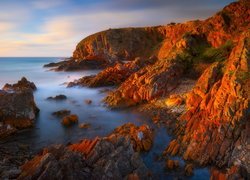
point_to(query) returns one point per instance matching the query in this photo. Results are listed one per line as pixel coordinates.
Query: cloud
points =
(31, 30)
(47, 4)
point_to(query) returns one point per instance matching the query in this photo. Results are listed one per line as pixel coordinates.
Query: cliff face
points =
(129, 43)
(185, 47)
(215, 128)
(119, 44)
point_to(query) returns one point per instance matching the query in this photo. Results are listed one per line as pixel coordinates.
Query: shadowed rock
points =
(17, 107)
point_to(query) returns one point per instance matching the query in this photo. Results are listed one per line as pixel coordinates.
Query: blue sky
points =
(54, 27)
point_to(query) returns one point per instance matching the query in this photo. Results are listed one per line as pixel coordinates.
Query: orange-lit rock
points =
(141, 136)
(172, 164)
(216, 126)
(90, 159)
(174, 100)
(70, 120)
(113, 75)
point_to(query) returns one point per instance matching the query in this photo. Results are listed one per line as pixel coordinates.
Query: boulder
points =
(17, 107)
(61, 113)
(57, 97)
(140, 136)
(23, 84)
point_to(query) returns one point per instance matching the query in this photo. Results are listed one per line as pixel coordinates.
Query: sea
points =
(48, 129)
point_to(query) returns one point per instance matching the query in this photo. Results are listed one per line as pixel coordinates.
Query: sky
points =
(52, 28)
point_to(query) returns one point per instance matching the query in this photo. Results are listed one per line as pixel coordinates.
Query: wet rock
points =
(74, 64)
(61, 113)
(172, 164)
(189, 168)
(17, 107)
(70, 120)
(57, 97)
(88, 101)
(141, 136)
(23, 84)
(89, 159)
(84, 125)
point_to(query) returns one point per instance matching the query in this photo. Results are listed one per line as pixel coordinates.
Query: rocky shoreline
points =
(192, 78)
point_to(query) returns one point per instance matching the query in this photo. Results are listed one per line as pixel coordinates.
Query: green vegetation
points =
(219, 54)
(243, 76)
(203, 53)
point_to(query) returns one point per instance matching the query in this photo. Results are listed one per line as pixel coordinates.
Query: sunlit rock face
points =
(185, 47)
(215, 128)
(119, 44)
(17, 106)
(113, 75)
(102, 158)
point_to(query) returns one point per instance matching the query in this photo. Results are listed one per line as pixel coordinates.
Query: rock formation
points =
(141, 137)
(17, 107)
(114, 75)
(215, 128)
(100, 158)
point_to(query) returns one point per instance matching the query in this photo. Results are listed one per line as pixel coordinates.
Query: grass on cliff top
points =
(198, 58)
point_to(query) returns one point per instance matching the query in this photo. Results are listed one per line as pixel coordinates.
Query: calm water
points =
(48, 129)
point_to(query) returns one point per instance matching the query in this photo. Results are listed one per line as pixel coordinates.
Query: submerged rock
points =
(70, 120)
(84, 125)
(17, 107)
(57, 97)
(61, 113)
(88, 101)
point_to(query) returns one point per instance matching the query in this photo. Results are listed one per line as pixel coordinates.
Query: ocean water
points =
(48, 129)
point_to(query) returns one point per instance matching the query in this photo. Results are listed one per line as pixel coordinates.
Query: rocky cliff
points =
(213, 125)
(119, 44)
(215, 128)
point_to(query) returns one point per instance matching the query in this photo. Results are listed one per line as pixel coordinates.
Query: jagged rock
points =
(189, 168)
(70, 120)
(61, 113)
(89, 159)
(113, 75)
(57, 97)
(141, 136)
(17, 107)
(234, 172)
(20, 85)
(172, 164)
(72, 64)
(155, 80)
(215, 127)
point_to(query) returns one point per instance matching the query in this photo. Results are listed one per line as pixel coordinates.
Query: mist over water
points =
(48, 129)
